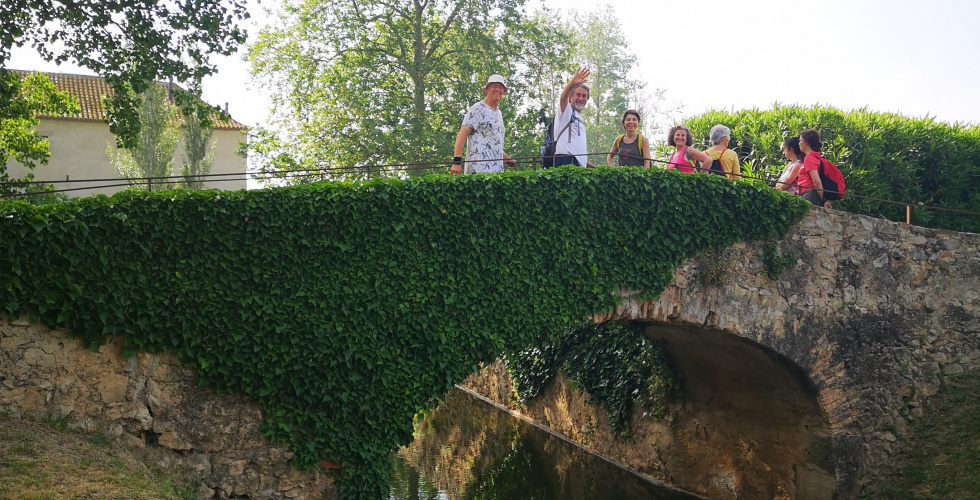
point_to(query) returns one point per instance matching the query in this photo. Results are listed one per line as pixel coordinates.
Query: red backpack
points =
(832, 180)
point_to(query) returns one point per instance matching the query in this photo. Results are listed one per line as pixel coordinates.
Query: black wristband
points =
(457, 160)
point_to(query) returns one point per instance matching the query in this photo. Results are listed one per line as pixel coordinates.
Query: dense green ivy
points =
(345, 308)
(616, 364)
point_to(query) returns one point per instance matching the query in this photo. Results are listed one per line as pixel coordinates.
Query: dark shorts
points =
(813, 197)
(562, 160)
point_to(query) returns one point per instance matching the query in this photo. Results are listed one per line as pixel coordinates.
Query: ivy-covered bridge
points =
(344, 309)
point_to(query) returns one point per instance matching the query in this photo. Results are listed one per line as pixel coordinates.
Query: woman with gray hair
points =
(725, 160)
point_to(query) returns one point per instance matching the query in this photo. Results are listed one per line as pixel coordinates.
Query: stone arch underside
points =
(750, 424)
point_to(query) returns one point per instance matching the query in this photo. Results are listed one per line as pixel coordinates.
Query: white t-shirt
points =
(572, 140)
(485, 145)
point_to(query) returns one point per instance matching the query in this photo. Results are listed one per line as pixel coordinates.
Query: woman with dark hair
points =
(811, 188)
(684, 156)
(630, 148)
(792, 152)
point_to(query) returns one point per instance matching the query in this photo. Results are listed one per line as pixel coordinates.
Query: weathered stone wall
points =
(151, 404)
(875, 314)
(871, 319)
(864, 327)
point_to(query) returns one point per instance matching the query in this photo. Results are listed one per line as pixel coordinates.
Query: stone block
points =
(37, 358)
(953, 369)
(113, 388)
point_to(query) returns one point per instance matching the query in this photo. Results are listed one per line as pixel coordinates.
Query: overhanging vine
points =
(345, 308)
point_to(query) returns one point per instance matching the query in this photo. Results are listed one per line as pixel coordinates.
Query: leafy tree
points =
(153, 155)
(612, 89)
(198, 148)
(129, 42)
(21, 101)
(387, 82)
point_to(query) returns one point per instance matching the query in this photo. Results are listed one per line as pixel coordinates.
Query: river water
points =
(469, 449)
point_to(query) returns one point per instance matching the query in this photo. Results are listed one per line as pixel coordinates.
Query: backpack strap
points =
(694, 163)
(639, 142)
(566, 127)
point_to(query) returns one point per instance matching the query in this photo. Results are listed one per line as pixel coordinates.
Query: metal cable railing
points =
(354, 172)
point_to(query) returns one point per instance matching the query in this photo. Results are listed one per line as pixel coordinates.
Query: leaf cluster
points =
(21, 101)
(346, 308)
(389, 82)
(882, 155)
(129, 42)
(775, 262)
(616, 364)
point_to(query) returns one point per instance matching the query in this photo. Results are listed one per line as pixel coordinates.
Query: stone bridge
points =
(797, 386)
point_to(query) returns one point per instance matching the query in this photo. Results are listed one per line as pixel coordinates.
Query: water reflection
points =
(467, 449)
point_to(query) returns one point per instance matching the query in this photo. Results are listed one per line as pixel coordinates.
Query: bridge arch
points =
(861, 331)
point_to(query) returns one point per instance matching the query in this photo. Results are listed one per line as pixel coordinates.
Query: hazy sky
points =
(915, 57)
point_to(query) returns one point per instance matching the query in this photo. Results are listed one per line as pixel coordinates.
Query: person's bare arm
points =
(701, 157)
(793, 173)
(815, 175)
(464, 132)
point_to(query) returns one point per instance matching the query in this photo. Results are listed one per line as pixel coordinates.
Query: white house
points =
(78, 145)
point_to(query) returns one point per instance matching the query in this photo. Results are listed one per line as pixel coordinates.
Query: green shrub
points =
(882, 155)
(346, 308)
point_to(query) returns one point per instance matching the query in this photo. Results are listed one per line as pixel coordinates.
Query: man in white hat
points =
(483, 134)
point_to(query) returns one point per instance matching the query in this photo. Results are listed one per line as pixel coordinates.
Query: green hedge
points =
(346, 308)
(882, 155)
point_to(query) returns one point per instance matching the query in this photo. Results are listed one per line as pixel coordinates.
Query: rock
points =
(113, 387)
(132, 442)
(39, 359)
(954, 369)
(115, 431)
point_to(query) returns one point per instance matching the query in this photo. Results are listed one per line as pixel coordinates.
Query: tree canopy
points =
(613, 90)
(129, 42)
(388, 82)
(21, 101)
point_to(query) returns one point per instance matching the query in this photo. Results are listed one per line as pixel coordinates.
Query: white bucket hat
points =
(495, 79)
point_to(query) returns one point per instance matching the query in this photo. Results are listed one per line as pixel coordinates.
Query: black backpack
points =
(548, 148)
(716, 167)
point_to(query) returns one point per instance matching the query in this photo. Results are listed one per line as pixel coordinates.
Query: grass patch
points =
(940, 456)
(44, 460)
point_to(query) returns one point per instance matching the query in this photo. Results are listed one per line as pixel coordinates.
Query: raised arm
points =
(581, 76)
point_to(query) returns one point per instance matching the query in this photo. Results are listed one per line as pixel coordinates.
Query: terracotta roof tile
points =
(88, 90)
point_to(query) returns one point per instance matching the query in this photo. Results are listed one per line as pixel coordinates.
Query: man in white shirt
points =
(483, 134)
(570, 144)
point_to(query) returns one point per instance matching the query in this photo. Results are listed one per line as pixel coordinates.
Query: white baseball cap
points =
(496, 79)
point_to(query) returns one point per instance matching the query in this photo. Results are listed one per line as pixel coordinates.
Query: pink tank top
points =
(679, 161)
